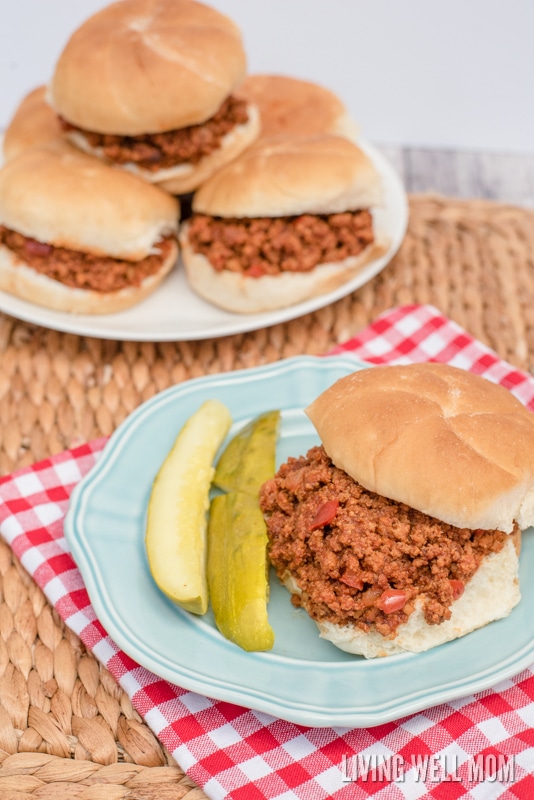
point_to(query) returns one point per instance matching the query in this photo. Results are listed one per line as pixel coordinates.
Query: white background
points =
(456, 74)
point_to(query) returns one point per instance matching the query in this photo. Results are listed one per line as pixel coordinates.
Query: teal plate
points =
(304, 679)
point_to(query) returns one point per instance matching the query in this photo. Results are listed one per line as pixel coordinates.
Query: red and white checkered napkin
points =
(450, 751)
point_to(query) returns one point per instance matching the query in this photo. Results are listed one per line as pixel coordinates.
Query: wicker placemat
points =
(66, 728)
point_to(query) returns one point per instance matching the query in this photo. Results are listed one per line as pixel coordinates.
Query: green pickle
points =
(249, 459)
(238, 565)
(176, 538)
(237, 570)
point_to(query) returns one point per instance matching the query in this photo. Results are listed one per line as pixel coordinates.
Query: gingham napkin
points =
(479, 747)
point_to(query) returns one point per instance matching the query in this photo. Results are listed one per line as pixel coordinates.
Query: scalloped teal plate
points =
(303, 679)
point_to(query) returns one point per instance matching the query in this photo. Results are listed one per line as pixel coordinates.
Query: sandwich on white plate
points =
(148, 85)
(290, 219)
(79, 236)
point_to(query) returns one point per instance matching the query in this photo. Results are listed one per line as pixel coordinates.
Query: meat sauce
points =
(155, 151)
(360, 558)
(84, 270)
(272, 245)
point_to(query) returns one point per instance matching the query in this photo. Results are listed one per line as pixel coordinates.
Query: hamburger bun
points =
(34, 123)
(285, 176)
(277, 177)
(296, 107)
(442, 440)
(57, 196)
(140, 66)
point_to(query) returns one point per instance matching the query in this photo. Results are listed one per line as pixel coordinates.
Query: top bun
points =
(296, 107)
(33, 124)
(444, 441)
(148, 66)
(58, 195)
(282, 175)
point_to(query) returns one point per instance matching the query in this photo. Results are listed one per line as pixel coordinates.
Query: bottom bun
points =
(242, 294)
(21, 280)
(491, 594)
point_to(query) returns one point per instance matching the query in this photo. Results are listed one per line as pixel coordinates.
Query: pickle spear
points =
(237, 570)
(175, 536)
(249, 459)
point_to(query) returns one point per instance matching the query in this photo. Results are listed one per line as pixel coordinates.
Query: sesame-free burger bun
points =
(147, 66)
(296, 107)
(289, 175)
(33, 123)
(60, 197)
(437, 438)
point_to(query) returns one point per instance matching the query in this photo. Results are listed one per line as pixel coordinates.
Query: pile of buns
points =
(149, 110)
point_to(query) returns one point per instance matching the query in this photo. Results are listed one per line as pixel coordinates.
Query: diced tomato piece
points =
(392, 600)
(255, 271)
(35, 248)
(457, 588)
(352, 579)
(325, 514)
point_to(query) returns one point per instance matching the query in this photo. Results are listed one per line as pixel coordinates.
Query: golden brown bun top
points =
(295, 107)
(147, 66)
(282, 175)
(435, 437)
(58, 195)
(33, 123)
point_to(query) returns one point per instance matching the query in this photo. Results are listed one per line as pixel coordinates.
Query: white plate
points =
(175, 313)
(304, 679)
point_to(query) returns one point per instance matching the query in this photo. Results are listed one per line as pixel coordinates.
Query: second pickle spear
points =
(249, 459)
(237, 536)
(237, 570)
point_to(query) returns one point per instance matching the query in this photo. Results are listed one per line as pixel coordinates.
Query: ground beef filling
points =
(272, 245)
(155, 151)
(368, 546)
(84, 270)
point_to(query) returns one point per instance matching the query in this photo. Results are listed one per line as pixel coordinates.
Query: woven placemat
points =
(66, 728)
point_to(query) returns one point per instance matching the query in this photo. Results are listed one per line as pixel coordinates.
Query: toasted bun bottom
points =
(21, 280)
(186, 177)
(241, 294)
(491, 594)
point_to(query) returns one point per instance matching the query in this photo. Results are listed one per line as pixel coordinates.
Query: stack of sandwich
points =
(148, 110)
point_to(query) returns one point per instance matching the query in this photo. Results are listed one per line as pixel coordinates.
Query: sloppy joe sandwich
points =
(290, 219)
(33, 123)
(148, 85)
(296, 107)
(401, 531)
(77, 235)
